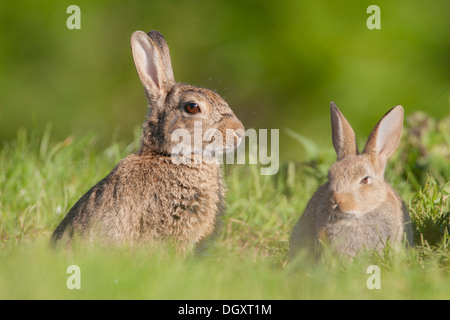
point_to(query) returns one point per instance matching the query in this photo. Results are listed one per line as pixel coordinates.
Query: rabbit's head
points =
(356, 180)
(180, 114)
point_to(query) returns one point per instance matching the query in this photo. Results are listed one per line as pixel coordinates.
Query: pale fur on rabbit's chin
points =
(350, 215)
(198, 155)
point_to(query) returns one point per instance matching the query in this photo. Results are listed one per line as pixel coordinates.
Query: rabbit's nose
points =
(343, 202)
(236, 126)
(337, 201)
(333, 203)
(237, 137)
(238, 134)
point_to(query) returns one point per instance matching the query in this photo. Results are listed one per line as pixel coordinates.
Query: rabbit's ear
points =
(152, 59)
(344, 140)
(385, 137)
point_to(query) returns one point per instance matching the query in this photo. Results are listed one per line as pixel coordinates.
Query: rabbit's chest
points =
(351, 235)
(184, 204)
(193, 202)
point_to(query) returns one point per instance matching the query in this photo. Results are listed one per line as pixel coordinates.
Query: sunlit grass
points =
(40, 179)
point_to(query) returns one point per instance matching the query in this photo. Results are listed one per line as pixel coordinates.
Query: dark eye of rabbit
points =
(365, 180)
(192, 108)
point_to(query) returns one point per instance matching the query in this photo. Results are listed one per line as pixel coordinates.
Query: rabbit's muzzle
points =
(343, 202)
(232, 132)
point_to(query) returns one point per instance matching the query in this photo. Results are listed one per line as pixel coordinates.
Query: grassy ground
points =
(40, 179)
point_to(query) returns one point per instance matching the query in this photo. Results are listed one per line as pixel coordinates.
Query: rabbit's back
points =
(147, 198)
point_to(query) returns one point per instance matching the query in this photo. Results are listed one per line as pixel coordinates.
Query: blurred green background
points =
(277, 63)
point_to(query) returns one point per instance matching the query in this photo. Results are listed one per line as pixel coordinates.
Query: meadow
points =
(278, 64)
(41, 177)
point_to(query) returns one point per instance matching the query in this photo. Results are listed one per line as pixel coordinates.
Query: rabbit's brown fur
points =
(356, 208)
(147, 198)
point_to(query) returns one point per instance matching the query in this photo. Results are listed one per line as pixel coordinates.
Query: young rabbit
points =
(356, 208)
(149, 198)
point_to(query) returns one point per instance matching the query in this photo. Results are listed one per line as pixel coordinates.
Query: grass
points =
(40, 179)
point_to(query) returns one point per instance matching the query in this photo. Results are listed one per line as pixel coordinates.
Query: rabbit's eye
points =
(365, 180)
(192, 108)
